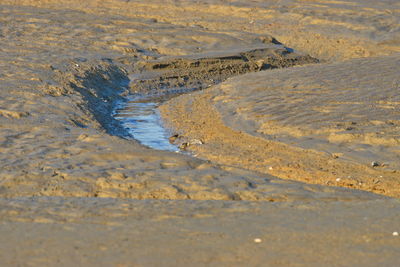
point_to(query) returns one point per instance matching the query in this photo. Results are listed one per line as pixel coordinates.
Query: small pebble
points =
(173, 138)
(257, 240)
(338, 179)
(375, 164)
(394, 234)
(270, 168)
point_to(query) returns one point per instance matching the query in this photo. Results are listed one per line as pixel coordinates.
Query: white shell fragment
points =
(196, 142)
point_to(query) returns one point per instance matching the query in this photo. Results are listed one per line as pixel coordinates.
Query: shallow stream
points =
(170, 77)
(140, 117)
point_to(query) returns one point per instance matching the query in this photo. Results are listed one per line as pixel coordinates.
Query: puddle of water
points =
(141, 118)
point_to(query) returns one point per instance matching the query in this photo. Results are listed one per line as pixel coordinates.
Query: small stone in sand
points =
(395, 233)
(184, 145)
(375, 164)
(173, 138)
(338, 179)
(257, 240)
(270, 168)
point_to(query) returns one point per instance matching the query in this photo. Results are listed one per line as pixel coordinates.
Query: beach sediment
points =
(75, 190)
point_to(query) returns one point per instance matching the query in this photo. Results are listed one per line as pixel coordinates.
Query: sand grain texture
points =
(74, 191)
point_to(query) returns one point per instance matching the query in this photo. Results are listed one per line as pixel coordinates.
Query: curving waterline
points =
(140, 117)
(174, 76)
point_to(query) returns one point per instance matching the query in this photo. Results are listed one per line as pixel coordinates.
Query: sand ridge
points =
(302, 124)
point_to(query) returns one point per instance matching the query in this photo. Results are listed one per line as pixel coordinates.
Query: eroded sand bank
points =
(325, 123)
(63, 67)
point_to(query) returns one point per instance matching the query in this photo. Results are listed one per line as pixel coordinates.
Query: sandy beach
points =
(286, 112)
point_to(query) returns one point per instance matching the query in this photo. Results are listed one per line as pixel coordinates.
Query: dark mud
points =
(182, 74)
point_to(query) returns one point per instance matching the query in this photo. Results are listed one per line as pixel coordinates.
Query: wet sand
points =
(68, 231)
(324, 124)
(75, 190)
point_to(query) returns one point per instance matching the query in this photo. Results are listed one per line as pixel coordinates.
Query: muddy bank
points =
(153, 82)
(195, 72)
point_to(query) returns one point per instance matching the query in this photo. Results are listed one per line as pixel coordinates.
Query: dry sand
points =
(73, 191)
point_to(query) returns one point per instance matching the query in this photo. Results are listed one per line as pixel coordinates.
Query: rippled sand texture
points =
(322, 124)
(72, 191)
